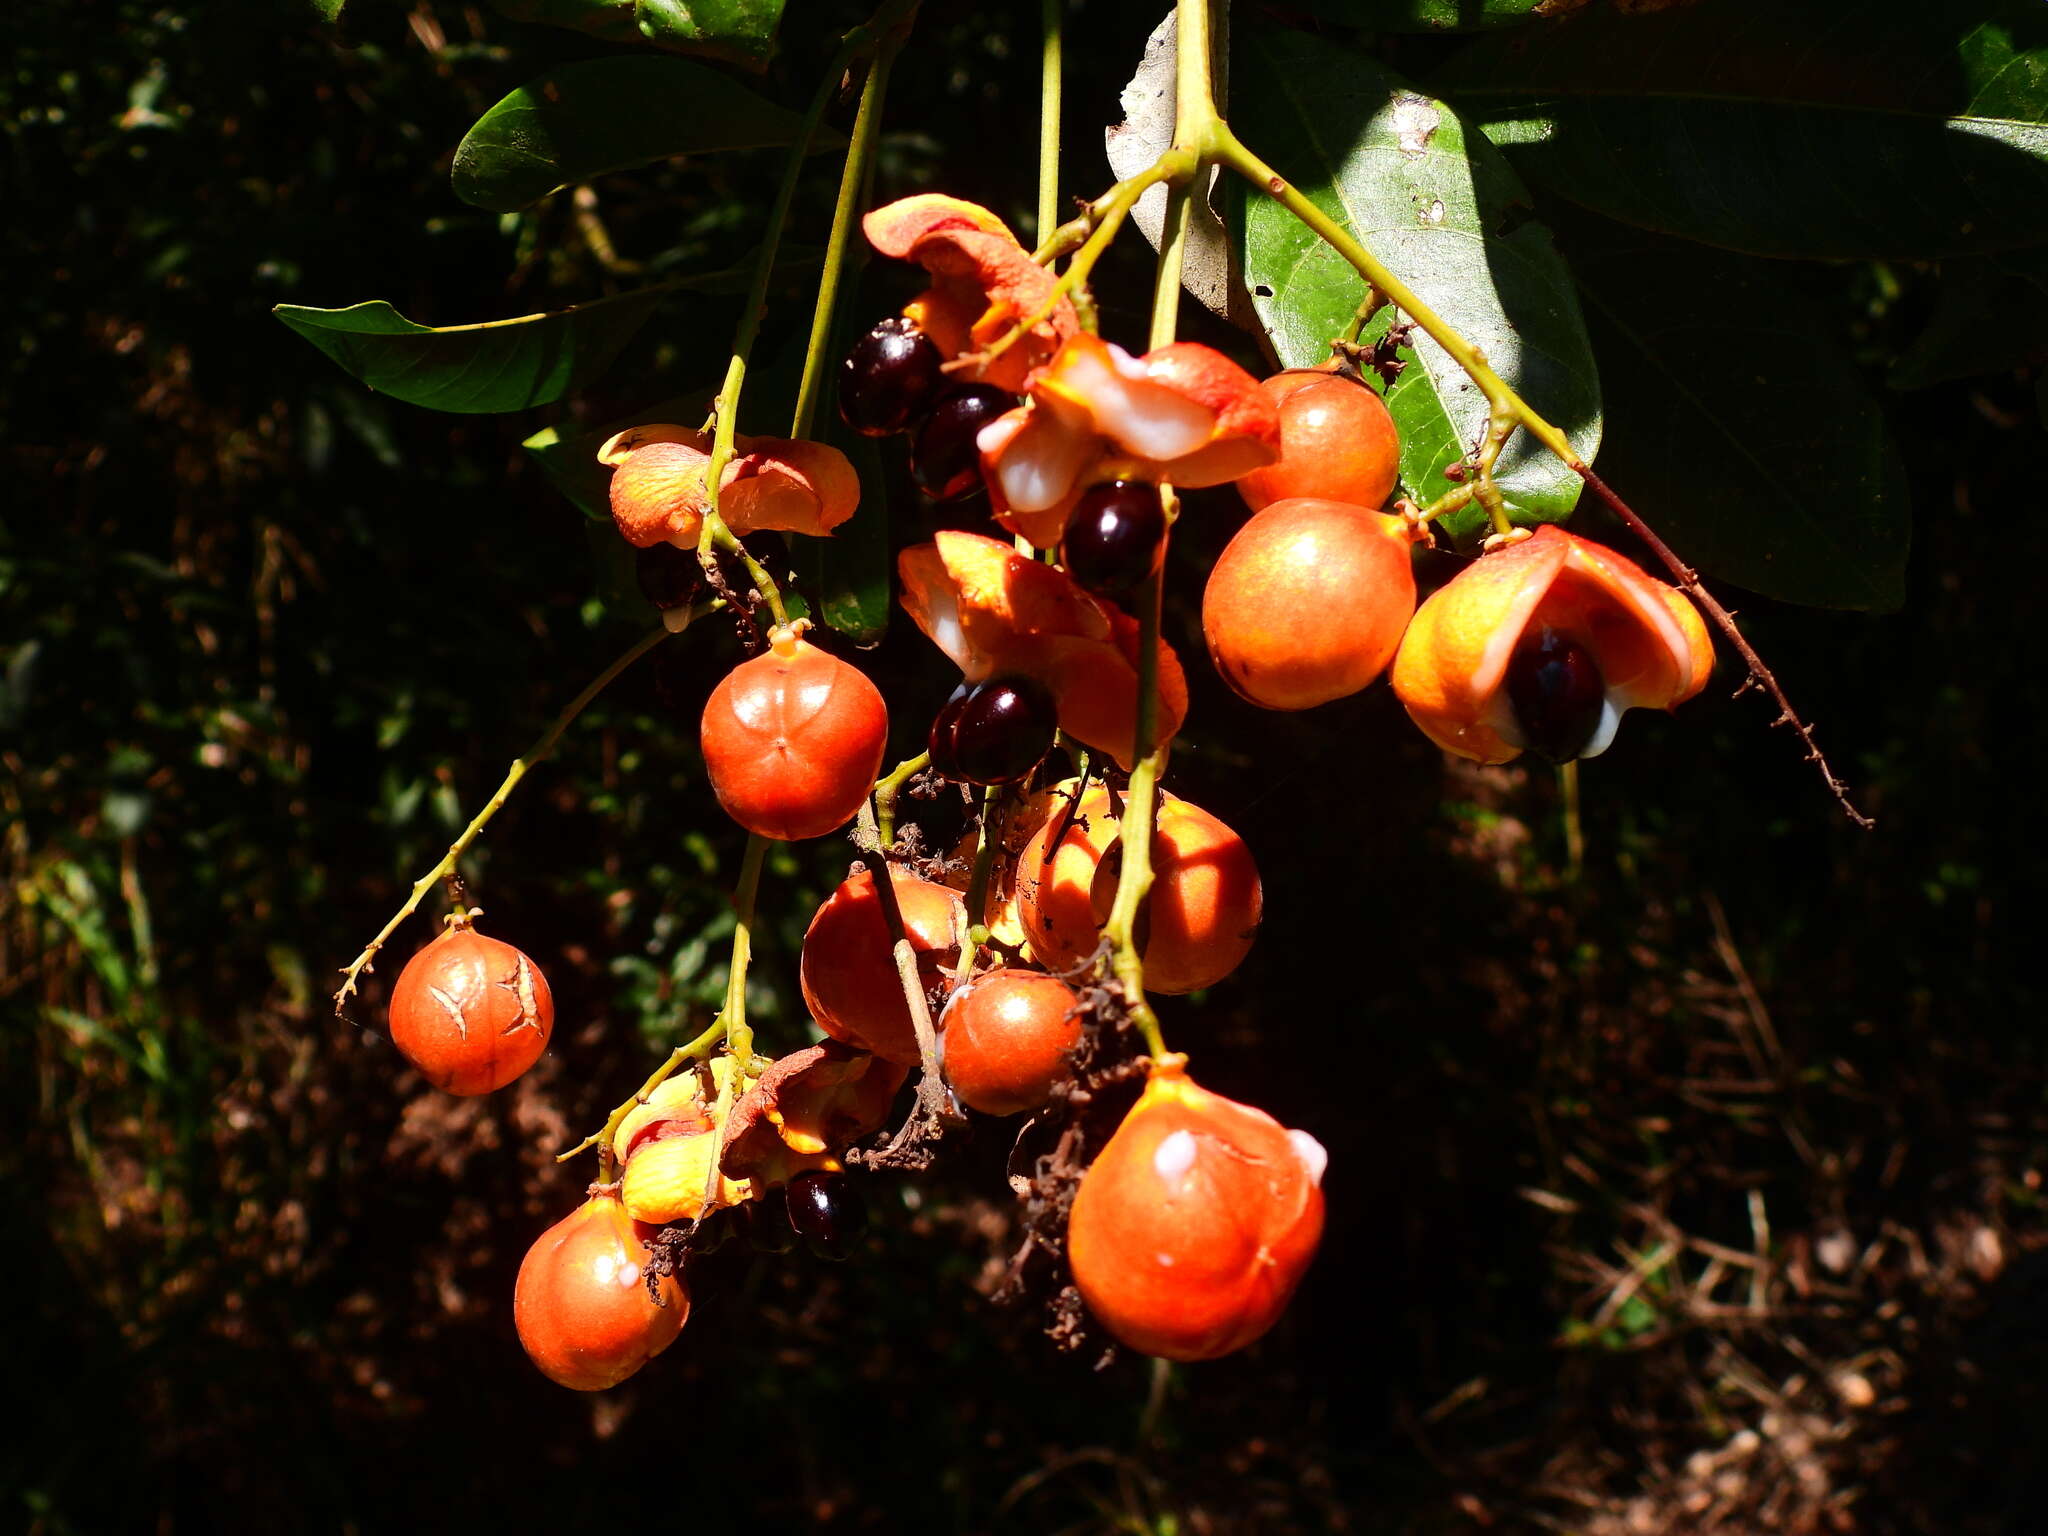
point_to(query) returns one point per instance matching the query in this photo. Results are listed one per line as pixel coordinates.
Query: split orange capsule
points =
(1193, 1227)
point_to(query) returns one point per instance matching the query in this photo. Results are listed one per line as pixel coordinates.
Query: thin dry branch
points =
(1760, 676)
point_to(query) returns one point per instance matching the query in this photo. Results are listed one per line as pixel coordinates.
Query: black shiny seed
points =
(826, 1212)
(995, 732)
(668, 577)
(1115, 537)
(768, 1226)
(1557, 693)
(889, 379)
(943, 457)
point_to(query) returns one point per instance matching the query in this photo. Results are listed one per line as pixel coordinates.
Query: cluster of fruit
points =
(1193, 1224)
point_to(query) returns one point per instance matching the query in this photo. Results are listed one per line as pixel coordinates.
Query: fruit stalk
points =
(1194, 120)
(520, 766)
(860, 153)
(726, 409)
(1049, 92)
(730, 1025)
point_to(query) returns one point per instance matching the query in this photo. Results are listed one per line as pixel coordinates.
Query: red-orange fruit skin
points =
(471, 1013)
(1200, 918)
(1309, 602)
(848, 970)
(581, 1302)
(792, 741)
(1193, 1262)
(1004, 1039)
(1337, 440)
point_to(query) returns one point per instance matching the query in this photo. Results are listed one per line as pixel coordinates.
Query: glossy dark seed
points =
(1115, 537)
(943, 458)
(994, 732)
(889, 379)
(1557, 693)
(826, 1212)
(768, 1226)
(668, 576)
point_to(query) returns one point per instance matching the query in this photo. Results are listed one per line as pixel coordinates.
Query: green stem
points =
(1174, 166)
(730, 1025)
(888, 787)
(1503, 402)
(987, 838)
(1049, 89)
(521, 765)
(867, 125)
(726, 409)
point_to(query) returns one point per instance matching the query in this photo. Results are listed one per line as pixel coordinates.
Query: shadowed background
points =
(1699, 1187)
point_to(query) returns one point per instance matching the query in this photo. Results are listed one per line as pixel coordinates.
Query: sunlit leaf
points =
(1442, 209)
(742, 31)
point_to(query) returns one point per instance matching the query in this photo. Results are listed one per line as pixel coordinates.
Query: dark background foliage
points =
(1700, 1185)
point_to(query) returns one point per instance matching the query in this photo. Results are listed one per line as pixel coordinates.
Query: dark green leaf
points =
(850, 571)
(742, 31)
(611, 20)
(1738, 428)
(570, 461)
(1896, 128)
(500, 365)
(603, 115)
(1425, 15)
(1442, 209)
(1990, 316)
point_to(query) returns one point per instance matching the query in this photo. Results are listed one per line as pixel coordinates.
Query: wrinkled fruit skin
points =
(668, 1145)
(1193, 1227)
(581, 1302)
(848, 970)
(471, 1013)
(792, 740)
(1337, 441)
(1308, 603)
(1204, 907)
(1004, 1039)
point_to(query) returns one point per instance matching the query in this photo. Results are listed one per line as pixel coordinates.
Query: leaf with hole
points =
(1441, 208)
(585, 120)
(1895, 128)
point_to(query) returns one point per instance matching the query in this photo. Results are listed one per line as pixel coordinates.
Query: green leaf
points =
(1442, 209)
(611, 20)
(1425, 15)
(1738, 428)
(1895, 128)
(850, 571)
(584, 120)
(742, 31)
(500, 365)
(1990, 316)
(570, 462)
